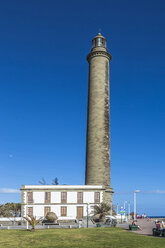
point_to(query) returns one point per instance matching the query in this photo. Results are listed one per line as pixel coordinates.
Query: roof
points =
(61, 187)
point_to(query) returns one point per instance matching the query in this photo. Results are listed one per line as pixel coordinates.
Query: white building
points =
(66, 201)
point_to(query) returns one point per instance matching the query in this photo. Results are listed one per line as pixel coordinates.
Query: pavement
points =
(145, 225)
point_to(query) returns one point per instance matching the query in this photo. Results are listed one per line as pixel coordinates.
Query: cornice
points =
(62, 190)
(99, 53)
(58, 203)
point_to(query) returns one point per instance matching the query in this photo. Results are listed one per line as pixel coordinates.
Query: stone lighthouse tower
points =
(98, 123)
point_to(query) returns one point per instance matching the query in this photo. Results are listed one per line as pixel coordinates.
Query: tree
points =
(101, 210)
(43, 182)
(33, 221)
(10, 209)
(55, 181)
(15, 208)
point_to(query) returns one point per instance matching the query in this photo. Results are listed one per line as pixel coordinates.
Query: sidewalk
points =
(145, 225)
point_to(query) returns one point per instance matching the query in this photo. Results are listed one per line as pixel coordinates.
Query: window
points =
(79, 197)
(47, 210)
(30, 197)
(63, 211)
(30, 211)
(63, 197)
(97, 197)
(47, 197)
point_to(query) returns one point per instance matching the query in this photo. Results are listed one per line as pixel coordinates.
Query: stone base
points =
(108, 197)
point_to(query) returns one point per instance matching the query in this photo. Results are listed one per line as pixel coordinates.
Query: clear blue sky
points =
(44, 86)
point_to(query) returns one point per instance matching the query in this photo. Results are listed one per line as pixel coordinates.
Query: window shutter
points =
(79, 197)
(97, 197)
(47, 210)
(47, 197)
(63, 197)
(63, 211)
(30, 197)
(30, 211)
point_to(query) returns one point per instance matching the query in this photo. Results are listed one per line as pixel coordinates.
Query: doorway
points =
(79, 212)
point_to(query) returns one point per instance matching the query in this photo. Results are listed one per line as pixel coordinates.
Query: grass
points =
(75, 238)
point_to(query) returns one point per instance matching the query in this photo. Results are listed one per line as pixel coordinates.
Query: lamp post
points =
(117, 209)
(136, 191)
(129, 210)
(87, 214)
(125, 205)
(125, 218)
(27, 223)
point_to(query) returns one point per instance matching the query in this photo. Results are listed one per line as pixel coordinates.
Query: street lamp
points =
(87, 213)
(117, 209)
(129, 210)
(136, 191)
(27, 223)
(125, 202)
(125, 205)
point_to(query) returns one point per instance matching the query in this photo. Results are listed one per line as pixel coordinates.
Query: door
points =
(79, 212)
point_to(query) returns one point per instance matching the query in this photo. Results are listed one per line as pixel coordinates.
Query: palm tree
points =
(102, 210)
(55, 181)
(42, 181)
(33, 221)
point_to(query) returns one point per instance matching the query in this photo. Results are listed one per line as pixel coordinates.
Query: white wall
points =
(38, 211)
(38, 197)
(71, 197)
(25, 197)
(56, 209)
(88, 197)
(55, 197)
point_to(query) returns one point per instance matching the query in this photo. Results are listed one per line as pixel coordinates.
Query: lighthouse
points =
(70, 202)
(98, 120)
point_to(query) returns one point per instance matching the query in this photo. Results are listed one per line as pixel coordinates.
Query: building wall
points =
(38, 197)
(38, 210)
(72, 197)
(55, 197)
(55, 204)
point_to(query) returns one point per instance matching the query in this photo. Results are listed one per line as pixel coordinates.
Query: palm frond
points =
(102, 208)
(32, 220)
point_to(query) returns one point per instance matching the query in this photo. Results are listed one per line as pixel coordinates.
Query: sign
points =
(122, 211)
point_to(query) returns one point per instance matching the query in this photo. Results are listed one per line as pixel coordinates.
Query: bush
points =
(96, 218)
(51, 217)
(101, 210)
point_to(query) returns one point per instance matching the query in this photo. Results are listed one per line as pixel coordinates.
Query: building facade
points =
(67, 201)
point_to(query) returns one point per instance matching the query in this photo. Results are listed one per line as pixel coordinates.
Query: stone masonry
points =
(98, 123)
